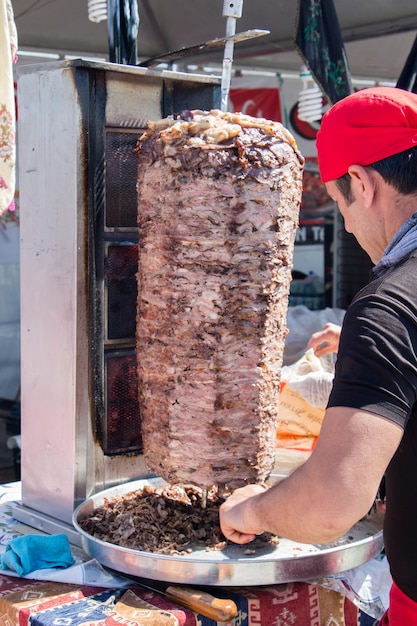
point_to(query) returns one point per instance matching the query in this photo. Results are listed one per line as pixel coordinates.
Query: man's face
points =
(355, 215)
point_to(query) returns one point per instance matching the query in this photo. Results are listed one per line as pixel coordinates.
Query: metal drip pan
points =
(288, 561)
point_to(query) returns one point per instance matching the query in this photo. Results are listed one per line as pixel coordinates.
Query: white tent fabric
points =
(378, 35)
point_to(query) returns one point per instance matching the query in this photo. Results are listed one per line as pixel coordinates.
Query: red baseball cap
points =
(365, 127)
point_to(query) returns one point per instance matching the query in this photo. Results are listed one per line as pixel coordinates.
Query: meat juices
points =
(218, 206)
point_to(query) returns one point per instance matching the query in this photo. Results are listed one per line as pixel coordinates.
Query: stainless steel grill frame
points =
(67, 112)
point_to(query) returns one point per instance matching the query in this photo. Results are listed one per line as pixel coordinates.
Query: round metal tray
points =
(286, 562)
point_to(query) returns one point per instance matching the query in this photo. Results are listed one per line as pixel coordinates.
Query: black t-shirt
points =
(376, 370)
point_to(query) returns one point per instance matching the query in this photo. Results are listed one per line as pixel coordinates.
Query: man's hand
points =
(235, 514)
(326, 340)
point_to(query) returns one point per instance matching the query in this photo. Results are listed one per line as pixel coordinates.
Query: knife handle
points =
(218, 609)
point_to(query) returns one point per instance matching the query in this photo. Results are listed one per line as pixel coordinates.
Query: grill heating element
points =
(116, 399)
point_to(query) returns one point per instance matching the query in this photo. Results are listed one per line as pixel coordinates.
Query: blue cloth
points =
(32, 552)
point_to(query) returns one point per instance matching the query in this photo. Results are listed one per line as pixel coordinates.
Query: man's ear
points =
(363, 184)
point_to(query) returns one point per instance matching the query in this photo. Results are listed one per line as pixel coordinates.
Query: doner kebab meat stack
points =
(218, 206)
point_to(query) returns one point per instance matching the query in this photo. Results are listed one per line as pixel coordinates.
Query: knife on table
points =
(218, 609)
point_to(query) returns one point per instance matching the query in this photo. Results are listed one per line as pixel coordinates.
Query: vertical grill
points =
(79, 122)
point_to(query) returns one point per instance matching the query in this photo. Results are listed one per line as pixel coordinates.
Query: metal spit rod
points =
(232, 10)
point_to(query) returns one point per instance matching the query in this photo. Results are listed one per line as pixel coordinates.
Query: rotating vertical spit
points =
(232, 10)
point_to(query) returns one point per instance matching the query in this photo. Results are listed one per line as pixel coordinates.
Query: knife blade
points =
(206, 45)
(218, 609)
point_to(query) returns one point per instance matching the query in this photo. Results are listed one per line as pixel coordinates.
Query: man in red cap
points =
(367, 152)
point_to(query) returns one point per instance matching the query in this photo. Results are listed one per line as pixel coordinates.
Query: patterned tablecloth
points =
(98, 598)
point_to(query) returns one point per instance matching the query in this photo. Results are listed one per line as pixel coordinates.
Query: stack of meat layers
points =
(219, 198)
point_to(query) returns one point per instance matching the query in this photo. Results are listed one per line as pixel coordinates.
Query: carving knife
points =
(175, 55)
(217, 609)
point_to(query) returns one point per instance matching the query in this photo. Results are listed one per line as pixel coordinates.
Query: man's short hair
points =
(398, 170)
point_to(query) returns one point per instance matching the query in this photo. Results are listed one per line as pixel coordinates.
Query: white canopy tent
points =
(378, 35)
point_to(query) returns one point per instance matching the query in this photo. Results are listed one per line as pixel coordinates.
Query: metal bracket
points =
(232, 8)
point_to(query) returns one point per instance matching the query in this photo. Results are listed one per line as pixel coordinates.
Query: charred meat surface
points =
(218, 206)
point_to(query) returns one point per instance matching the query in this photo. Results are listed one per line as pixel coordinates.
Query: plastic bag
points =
(305, 390)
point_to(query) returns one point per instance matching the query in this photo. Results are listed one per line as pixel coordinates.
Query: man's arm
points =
(327, 495)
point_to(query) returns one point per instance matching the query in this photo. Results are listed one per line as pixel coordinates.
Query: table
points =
(29, 602)
(39, 603)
